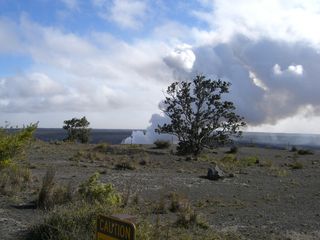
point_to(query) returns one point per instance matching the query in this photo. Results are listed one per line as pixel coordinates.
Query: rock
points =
(215, 173)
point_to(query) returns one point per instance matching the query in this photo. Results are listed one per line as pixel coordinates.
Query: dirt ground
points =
(271, 193)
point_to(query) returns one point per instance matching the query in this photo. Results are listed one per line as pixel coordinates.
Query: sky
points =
(111, 60)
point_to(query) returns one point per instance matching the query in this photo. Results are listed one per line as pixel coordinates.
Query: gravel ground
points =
(268, 200)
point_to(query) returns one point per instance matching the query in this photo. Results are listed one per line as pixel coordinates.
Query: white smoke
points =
(272, 63)
(181, 60)
(150, 136)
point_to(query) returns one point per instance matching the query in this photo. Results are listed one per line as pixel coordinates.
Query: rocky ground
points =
(267, 193)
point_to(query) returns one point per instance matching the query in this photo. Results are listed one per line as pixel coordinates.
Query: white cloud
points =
(289, 20)
(292, 69)
(125, 13)
(296, 69)
(181, 58)
(95, 73)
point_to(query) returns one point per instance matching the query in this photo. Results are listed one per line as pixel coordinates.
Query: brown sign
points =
(110, 228)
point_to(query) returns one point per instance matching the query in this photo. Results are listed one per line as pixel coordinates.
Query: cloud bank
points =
(268, 49)
(271, 60)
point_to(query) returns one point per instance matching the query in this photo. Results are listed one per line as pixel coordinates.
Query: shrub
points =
(72, 221)
(12, 143)
(94, 191)
(160, 144)
(125, 166)
(233, 149)
(304, 152)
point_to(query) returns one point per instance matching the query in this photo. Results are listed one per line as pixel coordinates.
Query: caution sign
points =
(110, 228)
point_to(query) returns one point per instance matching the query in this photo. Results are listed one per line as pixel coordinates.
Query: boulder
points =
(215, 173)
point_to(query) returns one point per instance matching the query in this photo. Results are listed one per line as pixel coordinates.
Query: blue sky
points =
(111, 60)
(84, 17)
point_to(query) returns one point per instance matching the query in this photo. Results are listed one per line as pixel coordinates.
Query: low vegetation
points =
(14, 179)
(296, 165)
(304, 152)
(76, 219)
(161, 144)
(69, 211)
(13, 142)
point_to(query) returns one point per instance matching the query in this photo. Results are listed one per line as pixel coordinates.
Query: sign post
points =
(112, 228)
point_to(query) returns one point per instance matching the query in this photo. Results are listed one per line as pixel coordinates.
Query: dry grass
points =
(14, 178)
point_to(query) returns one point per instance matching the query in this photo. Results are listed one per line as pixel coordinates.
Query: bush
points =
(94, 191)
(77, 219)
(125, 166)
(160, 144)
(304, 152)
(12, 143)
(233, 149)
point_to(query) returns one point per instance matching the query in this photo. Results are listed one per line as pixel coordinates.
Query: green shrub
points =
(161, 144)
(94, 191)
(304, 152)
(12, 143)
(76, 219)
